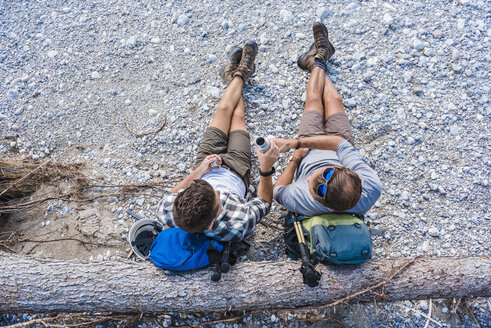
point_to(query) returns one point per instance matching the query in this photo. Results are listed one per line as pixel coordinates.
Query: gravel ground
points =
(414, 76)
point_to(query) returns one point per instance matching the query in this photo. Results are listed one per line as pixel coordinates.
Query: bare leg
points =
(225, 109)
(315, 89)
(333, 102)
(238, 117)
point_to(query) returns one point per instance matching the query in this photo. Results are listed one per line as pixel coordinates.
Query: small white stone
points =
(182, 20)
(52, 53)
(95, 75)
(127, 102)
(155, 40)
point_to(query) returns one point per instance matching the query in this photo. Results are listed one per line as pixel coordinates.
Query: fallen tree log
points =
(48, 285)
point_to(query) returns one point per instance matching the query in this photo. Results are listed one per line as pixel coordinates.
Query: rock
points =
(52, 53)
(434, 232)
(182, 20)
(131, 42)
(418, 44)
(127, 102)
(286, 16)
(95, 75)
(12, 94)
(322, 12)
(225, 25)
(155, 40)
(408, 76)
(19, 111)
(454, 130)
(212, 58)
(181, 167)
(213, 91)
(387, 20)
(423, 304)
(437, 34)
(3, 117)
(460, 23)
(368, 76)
(350, 102)
(405, 195)
(187, 51)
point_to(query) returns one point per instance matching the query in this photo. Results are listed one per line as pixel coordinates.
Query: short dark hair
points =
(343, 189)
(194, 208)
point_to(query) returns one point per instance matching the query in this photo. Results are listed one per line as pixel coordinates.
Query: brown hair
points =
(343, 189)
(194, 208)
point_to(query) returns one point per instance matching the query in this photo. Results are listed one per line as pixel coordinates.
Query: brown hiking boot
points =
(324, 48)
(228, 71)
(246, 66)
(306, 61)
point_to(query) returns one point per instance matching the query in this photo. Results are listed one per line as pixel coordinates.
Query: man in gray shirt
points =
(331, 175)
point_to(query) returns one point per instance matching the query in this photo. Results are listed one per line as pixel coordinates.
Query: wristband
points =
(296, 160)
(267, 174)
(299, 143)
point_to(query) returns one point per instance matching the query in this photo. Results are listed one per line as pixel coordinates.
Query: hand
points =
(267, 159)
(205, 167)
(300, 152)
(283, 144)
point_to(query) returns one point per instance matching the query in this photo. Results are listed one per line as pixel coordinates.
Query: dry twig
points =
(146, 133)
(429, 315)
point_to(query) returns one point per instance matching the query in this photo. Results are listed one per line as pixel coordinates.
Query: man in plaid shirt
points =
(210, 199)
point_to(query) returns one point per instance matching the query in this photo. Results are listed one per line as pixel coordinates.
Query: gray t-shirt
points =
(296, 197)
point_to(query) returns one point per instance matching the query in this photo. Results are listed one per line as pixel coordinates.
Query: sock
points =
(320, 63)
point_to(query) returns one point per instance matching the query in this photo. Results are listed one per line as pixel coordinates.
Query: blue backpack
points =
(177, 250)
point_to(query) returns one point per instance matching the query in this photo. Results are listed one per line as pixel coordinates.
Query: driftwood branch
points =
(42, 285)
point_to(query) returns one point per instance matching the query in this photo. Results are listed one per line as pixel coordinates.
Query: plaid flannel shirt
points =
(237, 218)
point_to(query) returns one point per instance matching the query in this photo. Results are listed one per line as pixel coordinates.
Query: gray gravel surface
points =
(414, 76)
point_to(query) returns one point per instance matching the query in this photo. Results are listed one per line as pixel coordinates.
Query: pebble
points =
(387, 19)
(12, 94)
(95, 76)
(52, 53)
(182, 20)
(322, 12)
(131, 42)
(437, 34)
(155, 40)
(287, 16)
(418, 44)
(127, 102)
(19, 111)
(434, 232)
(454, 130)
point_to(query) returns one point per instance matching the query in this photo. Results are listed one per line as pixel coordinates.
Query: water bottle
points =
(262, 144)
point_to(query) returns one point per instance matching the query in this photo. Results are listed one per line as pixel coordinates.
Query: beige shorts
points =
(234, 149)
(313, 124)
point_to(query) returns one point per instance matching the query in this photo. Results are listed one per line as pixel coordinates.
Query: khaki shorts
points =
(313, 124)
(235, 151)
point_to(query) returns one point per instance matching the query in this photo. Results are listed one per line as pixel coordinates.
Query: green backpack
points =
(331, 238)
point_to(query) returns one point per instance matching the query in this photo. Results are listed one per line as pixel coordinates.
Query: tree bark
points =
(48, 285)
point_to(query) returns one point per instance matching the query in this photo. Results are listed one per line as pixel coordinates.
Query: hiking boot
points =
(324, 48)
(306, 61)
(246, 66)
(228, 71)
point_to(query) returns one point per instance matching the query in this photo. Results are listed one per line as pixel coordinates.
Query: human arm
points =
(198, 172)
(323, 142)
(288, 173)
(266, 161)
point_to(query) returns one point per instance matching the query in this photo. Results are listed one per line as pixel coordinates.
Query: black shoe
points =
(246, 67)
(324, 48)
